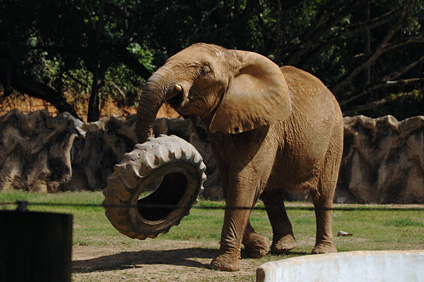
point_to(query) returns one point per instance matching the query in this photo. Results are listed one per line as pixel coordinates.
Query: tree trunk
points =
(368, 45)
(94, 101)
(98, 73)
(41, 91)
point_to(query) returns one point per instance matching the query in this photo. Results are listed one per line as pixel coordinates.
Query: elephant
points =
(271, 129)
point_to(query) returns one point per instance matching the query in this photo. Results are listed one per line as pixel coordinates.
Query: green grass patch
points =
(403, 222)
(373, 229)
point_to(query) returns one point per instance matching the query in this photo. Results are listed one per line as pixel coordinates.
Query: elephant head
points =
(231, 91)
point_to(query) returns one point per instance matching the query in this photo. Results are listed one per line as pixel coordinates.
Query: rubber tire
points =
(183, 172)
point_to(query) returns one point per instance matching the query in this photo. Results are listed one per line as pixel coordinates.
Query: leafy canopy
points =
(370, 53)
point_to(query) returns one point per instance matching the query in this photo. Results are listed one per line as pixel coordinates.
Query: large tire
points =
(169, 159)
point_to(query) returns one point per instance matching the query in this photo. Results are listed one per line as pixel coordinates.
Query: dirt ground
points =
(28, 104)
(169, 260)
(162, 260)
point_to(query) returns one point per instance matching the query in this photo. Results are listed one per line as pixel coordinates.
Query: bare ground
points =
(163, 260)
(28, 104)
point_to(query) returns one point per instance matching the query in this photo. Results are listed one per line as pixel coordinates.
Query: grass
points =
(376, 229)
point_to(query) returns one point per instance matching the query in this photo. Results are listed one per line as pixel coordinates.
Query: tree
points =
(49, 46)
(370, 53)
(20, 60)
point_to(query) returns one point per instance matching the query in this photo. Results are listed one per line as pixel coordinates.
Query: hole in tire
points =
(169, 192)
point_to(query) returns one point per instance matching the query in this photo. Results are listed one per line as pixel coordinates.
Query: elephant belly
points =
(299, 176)
(298, 165)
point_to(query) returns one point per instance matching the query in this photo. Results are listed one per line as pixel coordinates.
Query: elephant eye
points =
(204, 70)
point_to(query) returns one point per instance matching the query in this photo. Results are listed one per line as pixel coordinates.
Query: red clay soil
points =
(28, 104)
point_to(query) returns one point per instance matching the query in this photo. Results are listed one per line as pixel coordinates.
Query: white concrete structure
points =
(358, 266)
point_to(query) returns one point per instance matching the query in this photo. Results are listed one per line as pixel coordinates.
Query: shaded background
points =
(77, 54)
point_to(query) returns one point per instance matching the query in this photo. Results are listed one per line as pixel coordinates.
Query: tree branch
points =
(120, 91)
(38, 90)
(287, 10)
(379, 102)
(76, 79)
(374, 23)
(403, 70)
(379, 51)
(132, 62)
(384, 84)
(404, 43)
(328, 19)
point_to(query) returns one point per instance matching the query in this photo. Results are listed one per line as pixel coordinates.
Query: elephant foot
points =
(284, 244)
(256, 245)
(324, 248)
(226, 262)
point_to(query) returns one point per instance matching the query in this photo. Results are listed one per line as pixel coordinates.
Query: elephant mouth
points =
(176, 100)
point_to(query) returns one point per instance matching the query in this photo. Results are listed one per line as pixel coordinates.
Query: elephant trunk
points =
(152, 97)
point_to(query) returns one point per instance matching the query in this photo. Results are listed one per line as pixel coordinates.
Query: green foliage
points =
(79, 46)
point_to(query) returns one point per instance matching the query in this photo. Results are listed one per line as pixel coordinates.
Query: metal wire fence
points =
(22, 205)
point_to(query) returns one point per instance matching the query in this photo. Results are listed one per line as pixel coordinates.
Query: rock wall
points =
(51, 154)
(95, 152)
(35, 150)
(383, 159)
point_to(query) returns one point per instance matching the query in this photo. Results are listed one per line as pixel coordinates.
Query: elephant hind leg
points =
(283, 238)
(256, 245)
(324, 237)
(323, 202)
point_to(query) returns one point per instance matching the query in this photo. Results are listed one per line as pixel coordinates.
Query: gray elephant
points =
(271, 129)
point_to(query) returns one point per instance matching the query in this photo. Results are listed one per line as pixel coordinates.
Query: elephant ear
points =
(258, 95)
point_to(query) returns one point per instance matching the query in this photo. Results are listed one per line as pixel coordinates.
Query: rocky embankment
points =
(383, 159)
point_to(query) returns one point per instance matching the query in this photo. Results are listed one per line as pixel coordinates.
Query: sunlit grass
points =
(371, 229)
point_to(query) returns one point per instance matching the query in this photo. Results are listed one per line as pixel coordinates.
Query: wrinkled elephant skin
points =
(271, 129)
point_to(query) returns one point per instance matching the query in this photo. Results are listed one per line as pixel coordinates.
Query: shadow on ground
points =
(125, 260)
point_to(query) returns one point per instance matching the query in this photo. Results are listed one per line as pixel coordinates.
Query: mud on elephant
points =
(271, 129)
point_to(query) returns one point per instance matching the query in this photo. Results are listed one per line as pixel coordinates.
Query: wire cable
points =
(24, 203)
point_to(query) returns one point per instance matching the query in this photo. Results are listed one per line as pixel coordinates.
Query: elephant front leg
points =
(235, 222)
